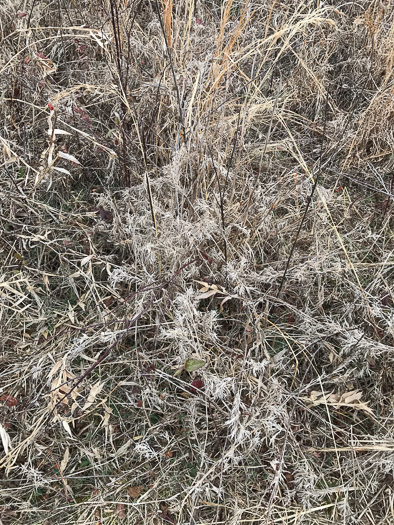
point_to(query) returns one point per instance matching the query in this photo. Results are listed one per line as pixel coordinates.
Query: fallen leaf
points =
(64, 461)
(58, 131)
(10, 401)
(120, 510)
(334, 398)
(223, 302)
(55, 368)
(69, 157)
(197, 384)
(5, 439)
(96, 389)
(86, 259)
(67, 428)
(350, 397)
(61, 170)
(135, 491)
(193, 364)
(208, 294)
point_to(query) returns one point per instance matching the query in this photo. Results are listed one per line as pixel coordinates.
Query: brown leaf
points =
(105, 214)
(120, 510)
(208, 294)
(135, 491)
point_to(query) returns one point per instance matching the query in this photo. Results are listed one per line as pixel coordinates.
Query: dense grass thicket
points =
(197, 261)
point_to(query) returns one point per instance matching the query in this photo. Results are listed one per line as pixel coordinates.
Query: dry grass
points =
(247, 145)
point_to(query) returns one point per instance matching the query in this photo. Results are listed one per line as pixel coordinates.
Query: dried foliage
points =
(196, 292)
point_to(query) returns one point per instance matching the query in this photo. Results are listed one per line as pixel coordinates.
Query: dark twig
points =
(317, 177)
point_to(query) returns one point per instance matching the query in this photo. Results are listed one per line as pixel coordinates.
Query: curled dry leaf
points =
(57, 131)
(55, 368)
(61, 170)
(223, 302)
(69, 157)
(96, 389)
(86, 259)
(208, 294)
(67, 428)
(350, 399)
(209, 290)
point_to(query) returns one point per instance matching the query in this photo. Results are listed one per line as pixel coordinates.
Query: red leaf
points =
(197, 384)
(139, 404)
(41, 55)
(198, 21)
(10, 401)
(86, 118)
(50, 106)
(21, 15)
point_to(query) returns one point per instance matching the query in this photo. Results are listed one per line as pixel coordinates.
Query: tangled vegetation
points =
(196, 292)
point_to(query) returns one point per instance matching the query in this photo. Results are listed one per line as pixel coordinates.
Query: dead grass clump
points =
(196, 290)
